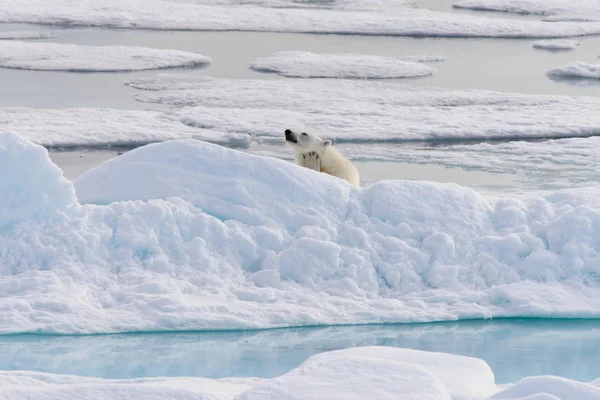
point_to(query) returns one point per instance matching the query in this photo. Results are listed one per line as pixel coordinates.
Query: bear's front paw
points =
(312, 160)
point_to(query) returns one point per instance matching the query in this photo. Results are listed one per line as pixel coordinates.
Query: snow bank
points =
(576, 70)
(71, 57)
(302, 64)
(556, 44)
(359, 373)
(166, 15)
(543, 7)
(23, 35)
(102, 127)
(222, 239)
(358, 111)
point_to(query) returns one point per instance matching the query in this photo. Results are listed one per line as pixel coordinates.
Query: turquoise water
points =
(514, 348)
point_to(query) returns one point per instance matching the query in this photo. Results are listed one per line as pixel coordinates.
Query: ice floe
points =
(189, 235)
(353, 374)
(164, 15)
(557, 44)
(354, 111)
(303, 64)
(576, 70)
(103, 127)
(71, 57)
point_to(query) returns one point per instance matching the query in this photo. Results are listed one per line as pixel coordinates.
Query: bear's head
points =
(306, 142)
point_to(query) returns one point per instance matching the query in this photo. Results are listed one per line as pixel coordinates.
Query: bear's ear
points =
(327, 143)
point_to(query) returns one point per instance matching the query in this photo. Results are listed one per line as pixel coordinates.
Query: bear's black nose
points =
(287, 132)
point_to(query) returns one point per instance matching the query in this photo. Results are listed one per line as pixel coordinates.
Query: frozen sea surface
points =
(511, 62)
(543, 7)
(164, 15)
(351, 111)
(104, 128)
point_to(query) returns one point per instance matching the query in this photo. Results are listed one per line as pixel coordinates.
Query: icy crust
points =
(77, 58)
(190, 235)
(24, 35)
(543, 7)
(355, 374)
(394, 21)
(557, 44)
(103, 127)
(303, 64)
(355, 111)
(576, 70)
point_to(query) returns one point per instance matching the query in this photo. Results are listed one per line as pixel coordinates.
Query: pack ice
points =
(189, 235)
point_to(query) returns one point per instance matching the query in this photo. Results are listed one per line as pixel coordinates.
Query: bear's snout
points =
(290, 137)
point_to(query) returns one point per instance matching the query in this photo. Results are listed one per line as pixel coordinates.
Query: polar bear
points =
(312, 152)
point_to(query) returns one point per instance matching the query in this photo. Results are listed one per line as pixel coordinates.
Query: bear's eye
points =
(304, 134)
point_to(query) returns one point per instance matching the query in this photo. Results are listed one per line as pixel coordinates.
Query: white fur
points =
(312, 152)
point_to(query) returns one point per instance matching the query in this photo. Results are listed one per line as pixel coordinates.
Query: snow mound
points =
(556, 44)
(576, 70)
(102, 127)
(359, 110)
(543, 7)
(71, 57)
(394, 21)
(302, 64)
(30, 185)
(384, 373)
(24, 35)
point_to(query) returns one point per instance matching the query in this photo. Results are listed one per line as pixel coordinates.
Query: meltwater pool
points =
(514, 348)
